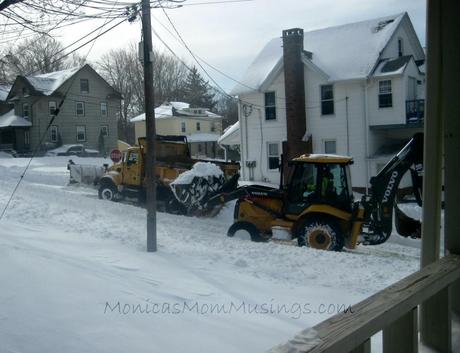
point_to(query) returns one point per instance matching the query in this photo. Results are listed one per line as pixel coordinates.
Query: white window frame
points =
(106, 129)
(325, 141)
(385, 90)
(104, 109)
(83, 109)
(52, 106)
(278, 155)
(81, 81)
(183, 126)
(400, 47)
(198, 126)
(54, 131)
(270, 106)
(24, 110)
(79, 127)
(326, 100)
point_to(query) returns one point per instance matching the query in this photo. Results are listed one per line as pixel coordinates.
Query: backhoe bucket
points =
(407, 226)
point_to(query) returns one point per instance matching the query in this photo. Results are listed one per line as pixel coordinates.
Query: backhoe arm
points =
(384, 186)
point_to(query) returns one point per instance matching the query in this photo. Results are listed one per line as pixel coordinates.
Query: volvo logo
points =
(391, 185)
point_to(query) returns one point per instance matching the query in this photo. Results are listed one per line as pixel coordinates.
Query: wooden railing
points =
(392, 310)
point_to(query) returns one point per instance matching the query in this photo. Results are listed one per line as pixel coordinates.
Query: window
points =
(327, 100)
(273, 155)
(270, 106)
(199, 148)
(330, 146)
(213, 126)
(80, 109)
(81, 133)
(400, 47)
(198, 126)
(25, 110)
(183, 127)
(103, 109)
(26, 138)
(53, 133)
(84, 85)
(385, 96)
(105, 130)
(52, 108)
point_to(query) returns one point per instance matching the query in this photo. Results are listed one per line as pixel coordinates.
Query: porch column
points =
(451, 114)
(435, 325)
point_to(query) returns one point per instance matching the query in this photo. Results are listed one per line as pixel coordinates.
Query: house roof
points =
(388, 67)
(11, 120)
(47, 84)
(344, 52)
(231, 135)
(170, 109)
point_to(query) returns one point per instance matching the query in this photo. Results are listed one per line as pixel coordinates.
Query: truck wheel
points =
(108, 192)
(321, 233)
(245, 230)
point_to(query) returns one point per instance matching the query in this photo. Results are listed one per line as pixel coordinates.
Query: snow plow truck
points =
(127, 178)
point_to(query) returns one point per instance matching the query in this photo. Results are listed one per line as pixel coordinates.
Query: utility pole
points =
(149, 128)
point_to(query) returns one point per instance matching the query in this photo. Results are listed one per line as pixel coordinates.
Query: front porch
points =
(14, 132)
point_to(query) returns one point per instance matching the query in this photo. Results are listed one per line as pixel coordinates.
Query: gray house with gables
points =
(90, 109)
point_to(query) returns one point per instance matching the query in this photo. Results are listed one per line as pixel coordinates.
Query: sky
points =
(230, 35)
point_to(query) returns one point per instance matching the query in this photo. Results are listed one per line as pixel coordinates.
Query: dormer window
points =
(400, 47)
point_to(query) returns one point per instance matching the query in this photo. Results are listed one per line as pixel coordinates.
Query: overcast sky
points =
(229, 36)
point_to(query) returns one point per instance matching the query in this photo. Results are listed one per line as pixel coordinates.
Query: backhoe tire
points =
(251, 229)
(108, 192)
(321, 233)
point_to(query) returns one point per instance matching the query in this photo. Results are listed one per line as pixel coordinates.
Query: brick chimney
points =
(294, 86)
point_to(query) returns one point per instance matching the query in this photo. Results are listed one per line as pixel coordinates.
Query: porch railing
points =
(415, 111)
(392, 310)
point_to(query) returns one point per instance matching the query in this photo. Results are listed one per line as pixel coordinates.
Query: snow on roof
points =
(11, 120)
(4, 91)
(165, 111)
(343, 52)
(231, 135)
(48, 83)
(203, 137)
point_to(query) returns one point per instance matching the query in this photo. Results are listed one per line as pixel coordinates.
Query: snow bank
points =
(200, 170)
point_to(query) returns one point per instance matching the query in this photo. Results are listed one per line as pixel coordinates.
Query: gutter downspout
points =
(348, 125)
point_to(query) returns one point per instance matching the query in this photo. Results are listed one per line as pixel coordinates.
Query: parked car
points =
(73, 150)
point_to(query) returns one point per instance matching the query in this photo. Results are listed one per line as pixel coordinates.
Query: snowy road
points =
(67, 259)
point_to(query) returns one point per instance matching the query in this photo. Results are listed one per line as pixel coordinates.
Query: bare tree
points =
(33, 56)
(123, 70)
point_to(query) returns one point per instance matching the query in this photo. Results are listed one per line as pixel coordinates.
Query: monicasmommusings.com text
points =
(293, 310)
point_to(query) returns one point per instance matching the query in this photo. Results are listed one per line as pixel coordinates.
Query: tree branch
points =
(5, 3)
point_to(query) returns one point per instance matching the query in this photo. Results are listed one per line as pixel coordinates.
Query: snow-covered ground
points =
(75, 276)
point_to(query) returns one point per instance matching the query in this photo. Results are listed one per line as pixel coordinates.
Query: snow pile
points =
(200, 170)
(5, 155)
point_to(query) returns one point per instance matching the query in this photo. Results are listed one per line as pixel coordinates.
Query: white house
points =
(201, 127)
(356, 89)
